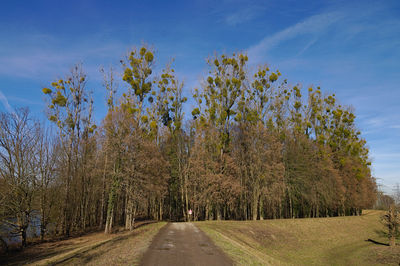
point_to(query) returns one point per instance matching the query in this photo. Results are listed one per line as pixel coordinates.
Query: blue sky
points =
(351, 48)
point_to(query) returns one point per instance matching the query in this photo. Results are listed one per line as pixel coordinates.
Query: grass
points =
(127, 250)
(353, 240)
(93, 249)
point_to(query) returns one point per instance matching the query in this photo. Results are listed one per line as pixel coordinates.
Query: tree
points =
(392, 222)
(257, 147)
(70, 108)
(383, 201)
(396, 193)
(170, 114)
(46, 169)
(220, 96)
(18, 171)
(137, 74)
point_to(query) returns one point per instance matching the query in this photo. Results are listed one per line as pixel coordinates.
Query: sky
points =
(350, 48)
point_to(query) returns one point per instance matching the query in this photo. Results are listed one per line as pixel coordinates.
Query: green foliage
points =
(273, 77)
(144, 119)
(59, 100)
(222, 92)
(195, 112)
(46, 91)
(153, 124)
(137, 71)
(53, 118)
(170, 100)
(69, 105)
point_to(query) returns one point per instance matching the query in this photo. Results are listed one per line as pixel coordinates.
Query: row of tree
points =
(256, 147)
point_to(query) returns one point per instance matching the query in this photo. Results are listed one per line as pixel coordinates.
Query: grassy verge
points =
(124, 250)
(318, 241)
(239, 252)
(94, 249)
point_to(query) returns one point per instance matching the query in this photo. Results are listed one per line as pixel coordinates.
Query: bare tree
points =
(396, 193)
(18, 143)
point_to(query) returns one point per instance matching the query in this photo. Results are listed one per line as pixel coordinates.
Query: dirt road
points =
(183, 244)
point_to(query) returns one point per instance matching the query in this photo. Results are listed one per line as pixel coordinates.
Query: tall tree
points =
(70, 109)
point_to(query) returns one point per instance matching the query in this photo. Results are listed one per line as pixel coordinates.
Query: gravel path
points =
(183, 244)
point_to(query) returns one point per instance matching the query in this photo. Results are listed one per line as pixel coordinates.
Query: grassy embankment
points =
(320, 241)
(124, 248)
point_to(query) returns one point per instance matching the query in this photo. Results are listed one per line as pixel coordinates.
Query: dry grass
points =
(318, 241)
(127, 250)
(95, 249)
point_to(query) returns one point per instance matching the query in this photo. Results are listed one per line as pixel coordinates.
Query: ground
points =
(183, 244)
(357, 240)
(93, 249)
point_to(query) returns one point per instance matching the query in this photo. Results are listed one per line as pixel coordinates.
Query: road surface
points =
(183, 244)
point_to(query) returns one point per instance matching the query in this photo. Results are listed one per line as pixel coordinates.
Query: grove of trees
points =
(253, 147)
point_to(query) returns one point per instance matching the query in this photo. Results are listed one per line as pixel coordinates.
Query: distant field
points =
(318, 241)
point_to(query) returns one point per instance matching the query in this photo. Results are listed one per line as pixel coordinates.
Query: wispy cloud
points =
(376, 122)
(46, 57)
(4, 101)
(308, 45)
(244, 15)
(23, 100)
(34, 65)
(380, 123)
(314, 25)
(391, 156)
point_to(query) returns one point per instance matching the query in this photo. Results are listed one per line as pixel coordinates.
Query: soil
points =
(183, 244)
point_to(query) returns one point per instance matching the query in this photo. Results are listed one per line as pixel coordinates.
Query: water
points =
(11, 237)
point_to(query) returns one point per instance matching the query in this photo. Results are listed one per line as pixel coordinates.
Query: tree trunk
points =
(109, 220)
(207, 212)
(291, 213)
(186, 198)
(66, 226)
(129, 212)
(23, 237)
(261, 208)
(254, 204)
(42, 217)
(110, 210)
(218, 212)
(160, 209)
(392, 241)
(103, 195)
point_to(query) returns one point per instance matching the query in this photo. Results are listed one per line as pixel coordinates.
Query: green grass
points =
(316, 241)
